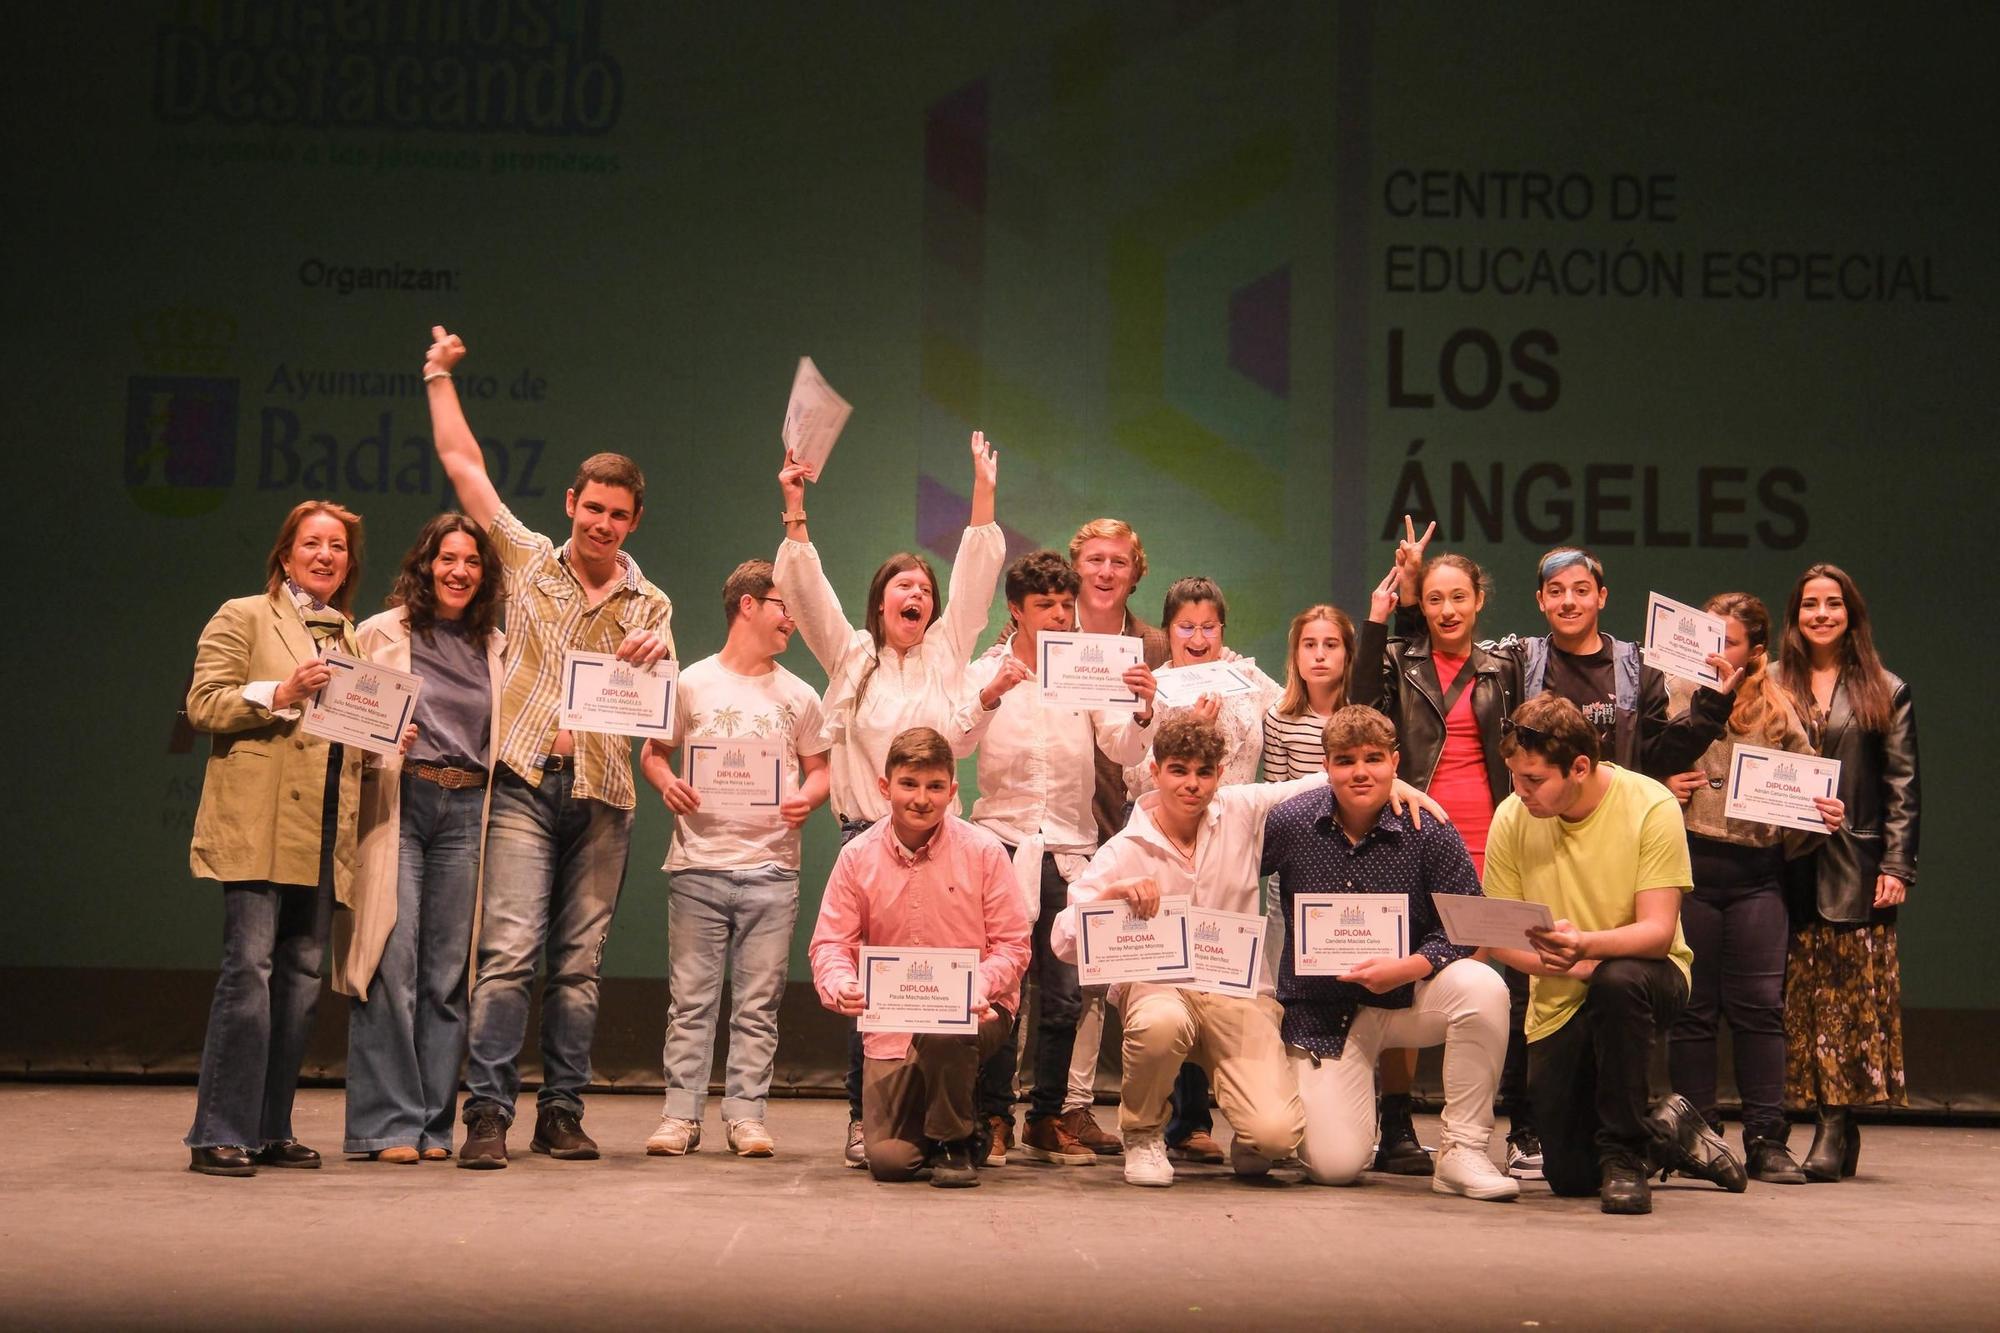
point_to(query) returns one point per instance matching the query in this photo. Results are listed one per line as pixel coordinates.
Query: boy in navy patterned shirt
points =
(1344, 838)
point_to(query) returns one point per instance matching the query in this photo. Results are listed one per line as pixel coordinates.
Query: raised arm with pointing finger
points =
(457, 447)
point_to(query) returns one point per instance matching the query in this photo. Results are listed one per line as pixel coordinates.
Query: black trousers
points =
(1589, 1080)
(1514, 1103)
(1058, 1003)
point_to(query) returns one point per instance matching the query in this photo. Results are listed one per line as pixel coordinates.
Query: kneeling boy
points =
(1344, 838)
(927, 879)
(1187, 838)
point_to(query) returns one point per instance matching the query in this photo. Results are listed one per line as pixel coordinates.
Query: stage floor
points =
(102, 1226)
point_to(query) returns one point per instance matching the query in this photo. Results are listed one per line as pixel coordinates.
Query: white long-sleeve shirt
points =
(920, 688)
(1037, 771)
(1229, 843)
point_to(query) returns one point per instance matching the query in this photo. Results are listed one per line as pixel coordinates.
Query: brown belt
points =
(451, 779)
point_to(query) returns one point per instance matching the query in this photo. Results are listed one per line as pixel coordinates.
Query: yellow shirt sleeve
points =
(1663, 848)
(1503, 873)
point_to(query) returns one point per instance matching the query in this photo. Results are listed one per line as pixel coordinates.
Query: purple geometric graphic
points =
(941, 515)
(1260, 331)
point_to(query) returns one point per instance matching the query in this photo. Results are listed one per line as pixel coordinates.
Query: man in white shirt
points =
(734, 891)
(1189, 837)
(1036, 779)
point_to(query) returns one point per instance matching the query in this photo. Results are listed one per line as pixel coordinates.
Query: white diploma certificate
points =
(1331, 932)
(362, 704)
(1226, 951)
(1181, 687)
(736, 775)
(601, 693)
(1778, 786)
(813, 417)
(1113, 945)
(918, 990)
(1475, 922)
(1679, 639)
(1086, 670)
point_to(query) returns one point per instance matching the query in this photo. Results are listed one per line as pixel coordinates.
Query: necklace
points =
(1186, 851)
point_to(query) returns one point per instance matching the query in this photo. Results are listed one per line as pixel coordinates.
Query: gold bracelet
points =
(796, 516)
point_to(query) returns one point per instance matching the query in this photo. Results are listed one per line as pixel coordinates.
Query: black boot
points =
(1833, 1150)
(1771, 1163)
(1399, 1153)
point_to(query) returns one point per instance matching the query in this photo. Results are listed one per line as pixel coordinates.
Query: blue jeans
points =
(405, 1044)
(554, 865)
(743, 918)
(850, 829)
(273, 940)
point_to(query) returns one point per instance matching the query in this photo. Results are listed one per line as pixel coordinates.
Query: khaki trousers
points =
(925, 1098)
(1235, 1039)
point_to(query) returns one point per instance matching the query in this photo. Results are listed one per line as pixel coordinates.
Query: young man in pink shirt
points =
(927, 879)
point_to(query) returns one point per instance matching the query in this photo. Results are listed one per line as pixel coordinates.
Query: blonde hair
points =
(1295, 703)
(1762, 707)
(1114, 530)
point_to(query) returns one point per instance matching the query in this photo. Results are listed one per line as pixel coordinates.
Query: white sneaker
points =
(749, 1138)
(1146, 1159)
(1246, 1163)
(674, 1138)
(1468, 1171)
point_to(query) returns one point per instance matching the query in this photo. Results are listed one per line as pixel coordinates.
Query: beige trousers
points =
(1235, 1039)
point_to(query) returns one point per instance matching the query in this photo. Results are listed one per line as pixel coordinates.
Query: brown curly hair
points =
(416, 590)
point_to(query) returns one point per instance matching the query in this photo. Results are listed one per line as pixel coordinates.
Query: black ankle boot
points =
(1832, 1147)
(1399, 1153)
(1770, 1163)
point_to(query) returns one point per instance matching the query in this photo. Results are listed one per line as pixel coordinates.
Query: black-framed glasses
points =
(778, 602)
(1526, 734)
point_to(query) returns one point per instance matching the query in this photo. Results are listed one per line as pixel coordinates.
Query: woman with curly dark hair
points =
(1843, 981)
(405, 954)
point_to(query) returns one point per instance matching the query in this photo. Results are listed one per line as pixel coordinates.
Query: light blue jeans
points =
(405, 1044)
(554, 865)
(743, 918)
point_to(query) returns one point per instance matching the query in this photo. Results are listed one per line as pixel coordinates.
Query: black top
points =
(1589, 680)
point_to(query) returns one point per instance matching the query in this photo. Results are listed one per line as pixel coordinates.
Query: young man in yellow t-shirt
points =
(1605, 850)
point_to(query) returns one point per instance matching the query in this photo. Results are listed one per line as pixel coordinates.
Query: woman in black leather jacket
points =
(1843, 983)
(1447, 695)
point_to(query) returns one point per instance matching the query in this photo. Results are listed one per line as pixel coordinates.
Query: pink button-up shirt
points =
(955, 892)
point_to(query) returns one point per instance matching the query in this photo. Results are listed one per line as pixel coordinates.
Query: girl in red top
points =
(1447, 694)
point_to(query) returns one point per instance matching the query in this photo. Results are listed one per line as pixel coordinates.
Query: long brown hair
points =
(878, 588)
(1762, 705)
(1295, 703)
(1860, 666)
(274, 564)
(416, 588)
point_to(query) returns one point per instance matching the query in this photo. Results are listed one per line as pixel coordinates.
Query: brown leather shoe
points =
(559, 1133)
(222, 1161)
(289, 1152)
(1046, 1140)
(401, 1155)
(1197, 1147)
(436, 1154)
(1082, 1126)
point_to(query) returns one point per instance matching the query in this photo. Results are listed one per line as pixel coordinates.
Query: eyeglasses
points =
(1187, 631)
(778, 602)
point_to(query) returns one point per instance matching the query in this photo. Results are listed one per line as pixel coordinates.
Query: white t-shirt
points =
(714, 702)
